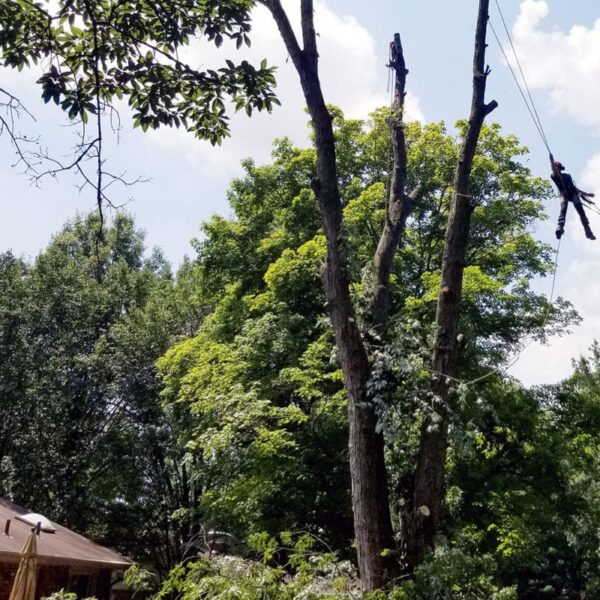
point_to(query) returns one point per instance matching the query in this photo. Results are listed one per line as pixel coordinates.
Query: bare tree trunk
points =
(399, 205)
(423, 512)
(370, 504)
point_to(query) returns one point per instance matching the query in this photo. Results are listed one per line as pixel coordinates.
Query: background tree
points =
(84, 438)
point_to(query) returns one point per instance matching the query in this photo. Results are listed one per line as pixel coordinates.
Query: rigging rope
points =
(531, 108)
(391, 88)
(537, 116)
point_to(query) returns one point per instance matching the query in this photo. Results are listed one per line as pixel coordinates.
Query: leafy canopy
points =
(96, 52)
(261, 380)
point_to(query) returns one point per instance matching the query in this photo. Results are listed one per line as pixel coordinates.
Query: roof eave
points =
(15, 557)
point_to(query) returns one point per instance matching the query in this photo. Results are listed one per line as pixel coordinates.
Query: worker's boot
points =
(588, 233)
(559, 232)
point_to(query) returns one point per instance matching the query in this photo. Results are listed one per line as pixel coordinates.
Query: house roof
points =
(64, 547)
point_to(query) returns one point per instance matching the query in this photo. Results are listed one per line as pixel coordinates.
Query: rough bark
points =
(399, 204)
(423, 511)
(372, 520)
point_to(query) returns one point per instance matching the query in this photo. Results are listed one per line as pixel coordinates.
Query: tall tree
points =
(261, 379)
(422, 520)
(370, 497)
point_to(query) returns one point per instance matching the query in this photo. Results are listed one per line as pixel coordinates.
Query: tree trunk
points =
(422, 518)
(370, 505)
(399, 204)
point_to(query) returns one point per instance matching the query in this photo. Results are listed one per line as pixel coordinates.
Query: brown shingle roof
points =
(64, 547)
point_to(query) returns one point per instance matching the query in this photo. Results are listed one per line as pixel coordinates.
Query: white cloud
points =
(351, 75)
(581, 284)
(591, 174)
(565, 63)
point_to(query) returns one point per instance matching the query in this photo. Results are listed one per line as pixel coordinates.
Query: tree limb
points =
(424, 507)
(399, 204)
(12, 108)
(285, 29)
(309, 36)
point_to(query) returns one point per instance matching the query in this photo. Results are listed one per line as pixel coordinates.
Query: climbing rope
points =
(530, 107)
(533, 111)
(527, 97)
(532, 339)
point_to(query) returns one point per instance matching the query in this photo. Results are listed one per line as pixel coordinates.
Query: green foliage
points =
(62, 595)
(137, 579)
(83, 437)
(95, 53)
(297, 567)
(455, 574)
(305, 574)
(522, 485)
(217, 397)
(261, 382)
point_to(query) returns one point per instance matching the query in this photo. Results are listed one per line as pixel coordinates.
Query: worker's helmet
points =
(559, 165)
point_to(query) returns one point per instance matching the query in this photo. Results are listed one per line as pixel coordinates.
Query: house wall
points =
(89, 581)
(50, 580)
(7, 576)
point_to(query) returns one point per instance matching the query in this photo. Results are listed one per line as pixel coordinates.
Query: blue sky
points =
(559, 45)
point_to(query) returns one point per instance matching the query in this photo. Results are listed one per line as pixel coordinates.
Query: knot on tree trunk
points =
(448, 293)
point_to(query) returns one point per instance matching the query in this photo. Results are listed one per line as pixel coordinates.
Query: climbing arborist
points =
(569, 192)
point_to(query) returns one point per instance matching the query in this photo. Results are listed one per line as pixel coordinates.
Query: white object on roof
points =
(34, 518)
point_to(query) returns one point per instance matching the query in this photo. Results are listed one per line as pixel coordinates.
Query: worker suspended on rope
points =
(570, 193)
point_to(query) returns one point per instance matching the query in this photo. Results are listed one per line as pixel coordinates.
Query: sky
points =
(558, 43)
